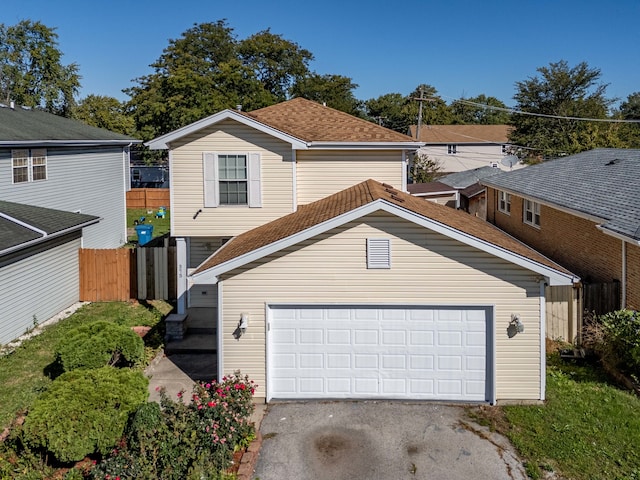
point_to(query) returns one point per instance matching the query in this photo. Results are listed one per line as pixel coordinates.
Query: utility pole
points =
(421, 100)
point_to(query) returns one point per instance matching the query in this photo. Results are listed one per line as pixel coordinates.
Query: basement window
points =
(378, 253)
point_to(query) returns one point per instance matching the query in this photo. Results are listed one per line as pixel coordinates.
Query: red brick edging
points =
(250, 459)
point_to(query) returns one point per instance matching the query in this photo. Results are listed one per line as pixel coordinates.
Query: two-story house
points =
(325, 279)
(62, 187)
(581, 210)
(457, 148)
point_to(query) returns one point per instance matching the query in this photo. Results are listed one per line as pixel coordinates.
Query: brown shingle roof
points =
(359, 195)
(312, 122)
(463, 133)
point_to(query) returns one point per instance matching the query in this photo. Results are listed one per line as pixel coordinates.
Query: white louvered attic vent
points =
(378, 253)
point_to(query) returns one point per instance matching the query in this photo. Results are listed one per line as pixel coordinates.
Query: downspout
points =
(623, 300)
(405, 170)
(543, 344)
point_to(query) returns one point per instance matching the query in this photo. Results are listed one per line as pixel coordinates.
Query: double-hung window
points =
(531, 213)
(504, 202)
(29, 165)
(232, 179)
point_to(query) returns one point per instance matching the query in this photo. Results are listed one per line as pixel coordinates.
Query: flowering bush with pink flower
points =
(189, 438)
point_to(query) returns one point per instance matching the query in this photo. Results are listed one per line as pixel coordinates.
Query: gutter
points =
(67, 143)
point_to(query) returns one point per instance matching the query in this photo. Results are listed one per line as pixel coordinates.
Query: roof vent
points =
(12, 105)
(612, 162)
(239, 108)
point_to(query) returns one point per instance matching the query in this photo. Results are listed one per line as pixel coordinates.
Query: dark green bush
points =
(97, 344)
(622, 339)
(84, 412)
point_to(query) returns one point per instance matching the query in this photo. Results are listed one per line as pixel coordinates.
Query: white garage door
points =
(425, 353)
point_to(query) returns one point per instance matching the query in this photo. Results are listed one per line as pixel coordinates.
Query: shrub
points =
(97, 344)
(616, 338)
(180, 441)
(84, 412)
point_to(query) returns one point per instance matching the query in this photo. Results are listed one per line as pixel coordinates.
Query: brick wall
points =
(633, 277)
(573, 242)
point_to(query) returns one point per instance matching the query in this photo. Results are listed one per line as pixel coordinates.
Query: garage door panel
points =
(378, 352)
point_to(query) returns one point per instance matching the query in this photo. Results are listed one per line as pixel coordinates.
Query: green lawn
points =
(160, 225)
(26, 372)
(587, 428)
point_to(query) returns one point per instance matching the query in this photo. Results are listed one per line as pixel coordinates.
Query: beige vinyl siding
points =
(426, 269)
(187, 181)
(320, 174)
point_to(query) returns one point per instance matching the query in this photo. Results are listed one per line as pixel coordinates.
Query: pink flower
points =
(179, 394)
(211, 404)
(208, 385)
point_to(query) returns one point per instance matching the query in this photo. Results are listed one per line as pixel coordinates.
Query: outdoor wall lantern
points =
(515, 325)
(242, 326)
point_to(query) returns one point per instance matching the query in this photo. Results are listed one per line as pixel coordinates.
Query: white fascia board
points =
(570, 211)
(435, 194)
(617, 235)
(364, 145)
(161, 143)
(554, 277)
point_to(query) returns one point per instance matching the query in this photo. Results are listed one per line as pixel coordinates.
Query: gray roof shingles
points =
(28, 125)
(51, 221)
(602, 183)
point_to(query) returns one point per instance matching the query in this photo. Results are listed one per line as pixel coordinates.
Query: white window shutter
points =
(210, 170)
(255, 187)
(378, 253)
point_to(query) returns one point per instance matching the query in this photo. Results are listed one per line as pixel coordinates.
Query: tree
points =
(435, 110)
(335, 91)
(480, 110)
(629, 133)
(276, 62)
(207, 70)
(104, 112)
(560, 92)
(424, 169)
(31, 72)
(389, 111)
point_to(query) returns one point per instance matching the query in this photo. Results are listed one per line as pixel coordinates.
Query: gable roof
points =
(21, 126)
(601, 185)
(360, 200)
(476, 134)
(305, 124)
(466, 178)
(24, 225)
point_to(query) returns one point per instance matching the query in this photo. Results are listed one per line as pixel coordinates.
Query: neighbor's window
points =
(452, 149)
(531, 213)
(233, 180)
(29, 165)
(504, 202)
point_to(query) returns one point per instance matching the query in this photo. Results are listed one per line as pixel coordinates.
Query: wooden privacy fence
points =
(148, 197)
(145, 273)
(601, 298)
(563, 313)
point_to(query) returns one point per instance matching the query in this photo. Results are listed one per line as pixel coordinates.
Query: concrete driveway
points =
(380, 440)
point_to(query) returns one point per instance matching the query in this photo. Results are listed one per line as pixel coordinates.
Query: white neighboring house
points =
(458, 148)
(62, 187)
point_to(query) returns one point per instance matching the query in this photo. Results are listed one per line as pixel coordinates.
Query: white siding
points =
(467, 157)
(427, 269)
(87, 180)
(39, 287)
(187, 181)
(320, 174)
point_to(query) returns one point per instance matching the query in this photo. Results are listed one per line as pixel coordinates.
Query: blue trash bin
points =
(144, 233)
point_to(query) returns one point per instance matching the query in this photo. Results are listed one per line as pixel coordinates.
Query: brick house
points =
(581, 211)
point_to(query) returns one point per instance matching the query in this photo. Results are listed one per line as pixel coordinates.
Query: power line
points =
(559, 117)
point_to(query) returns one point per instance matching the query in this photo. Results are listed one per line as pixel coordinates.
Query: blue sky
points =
(461, 47)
